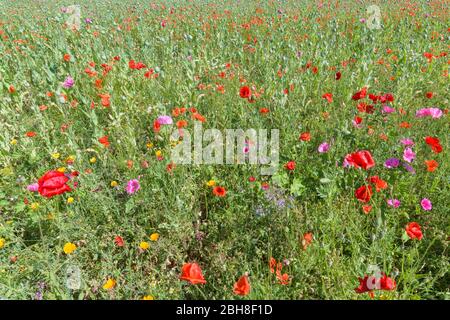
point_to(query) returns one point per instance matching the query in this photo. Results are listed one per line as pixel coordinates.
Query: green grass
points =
(225, 236)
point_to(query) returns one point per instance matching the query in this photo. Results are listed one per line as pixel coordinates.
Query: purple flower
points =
(88, 20)
(426, 204)
(409, 155)
(435, 113)
(324, 147)
(409, 168)
(391, 163)
(68, 83)
(362, 20)
(132, 186)
(394, 203)
(165, 120)
(33, 187)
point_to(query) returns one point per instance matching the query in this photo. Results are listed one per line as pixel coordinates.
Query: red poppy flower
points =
(290, 165)
(337, 76)
(413, 230)
(104, 141)
(11, 89)
(364, 193)
(387, 283)
(360, 159)
(307, 239)
(219, 191)
(156, 126)
(272, 264)
(245, 92)
(431, 165)
(379, 183)
(360, 94)
(242, 286)
(328, 96)
(31, 134)
(53, 183)
(305, 136)
(363, 285)
(118, 240)
(192, 273)
(434, 143)
(364, 107)
(429, 95)
(367, 209)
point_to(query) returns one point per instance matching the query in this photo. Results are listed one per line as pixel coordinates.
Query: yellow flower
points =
(158, 153)
(93, 160)
(70, 200)
(114, 183)
(210, 183)
(70, 159)
(62, 169)
(2, 243)
(149, 145)
(109, 284)
(34, 206)
(148, 298)
(69, 247)
(13, 142)
(55, 155)
(144, 245)
(154, 236)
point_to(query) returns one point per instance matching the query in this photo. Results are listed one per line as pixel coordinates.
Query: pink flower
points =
(407, 142)
(33, 187)
(132, 186)
(68, 83)
(426, 204)
(408, 155)
(164, 120)
(388, 109)
(394, 203)
(324, 147)
(429, 112)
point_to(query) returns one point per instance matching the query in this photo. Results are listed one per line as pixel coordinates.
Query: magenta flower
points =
(132, 186)
(68, 83)
(324, 147)
(33, 187)
(407, 142)
(388, 109)
(435, 113)
(394, 203)
(409, 155)
(426, 204)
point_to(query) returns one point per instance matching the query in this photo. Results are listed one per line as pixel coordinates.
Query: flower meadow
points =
(93, 207)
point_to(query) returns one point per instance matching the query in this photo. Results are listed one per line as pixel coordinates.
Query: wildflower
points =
(70, 200)
(34, 206)
(407, 142)
(392, 163)
(69, 247)
(158, 153)
(219, 191)
(34, 187)
(93, 160)
(395, 203)
(323, 147)
(68, 83)
(413, 231)
(164, 120)
(432, 165)
(245, 92)
(109, 284)
(2, 242)
(55, 155)
(154, 236)
(307, 239)
(114, 183)
(408, 155)
(242, 286)
(305, 136)
(148, 298)
(13, 142)
(192, 273)
(144, 245)
(426, 204)
(53, 183)
(434, 113)
(328, 97)
(132, 186)
(364, 193)
(211, 183)
(104, 141)
(360, 94)
(360, 159)
(290, 165)
(434, 143)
